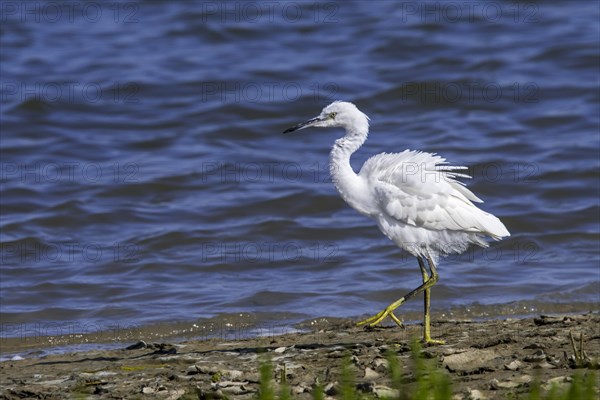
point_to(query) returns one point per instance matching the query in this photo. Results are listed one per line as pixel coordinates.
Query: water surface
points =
(145, 180)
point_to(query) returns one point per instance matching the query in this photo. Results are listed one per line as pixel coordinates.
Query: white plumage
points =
(424, 208)
(414, 197)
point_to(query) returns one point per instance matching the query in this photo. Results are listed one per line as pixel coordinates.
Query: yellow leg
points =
(427, 283)
(427, 302)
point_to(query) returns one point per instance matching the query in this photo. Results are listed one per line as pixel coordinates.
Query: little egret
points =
(413, 196)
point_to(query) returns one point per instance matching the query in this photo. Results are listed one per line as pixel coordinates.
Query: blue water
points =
(144, 178)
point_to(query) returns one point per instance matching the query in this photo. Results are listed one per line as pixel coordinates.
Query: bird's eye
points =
(332, 114)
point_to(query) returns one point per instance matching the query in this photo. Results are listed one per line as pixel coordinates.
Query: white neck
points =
(350, 186)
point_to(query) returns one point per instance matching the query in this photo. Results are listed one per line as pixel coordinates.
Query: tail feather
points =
(493, 227)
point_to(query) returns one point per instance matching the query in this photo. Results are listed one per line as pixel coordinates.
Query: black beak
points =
(302, 125)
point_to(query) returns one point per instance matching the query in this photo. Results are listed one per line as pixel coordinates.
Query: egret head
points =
(337, 114)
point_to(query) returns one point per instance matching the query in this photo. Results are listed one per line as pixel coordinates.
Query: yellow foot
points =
(429, 340)
(377, 318)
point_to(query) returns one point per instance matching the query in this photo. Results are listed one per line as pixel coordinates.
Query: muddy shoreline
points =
(491, 359)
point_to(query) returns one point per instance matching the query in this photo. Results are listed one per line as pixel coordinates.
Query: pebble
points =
(232, 389)
(299, 389)
(192, 370)
(139, 345)
(175, 394)
(495, 384)
(203, 394)
(428, 354)
(545, 365)
(513, 365)
(232, 374)
(476, 395)
(559, 381)
(371, 374)
(331, 389)
(365, 387)
(280, 349)
(384, 391)
(450, 350)
(523, 379)
(204, 369)
(98, 374)
(537, 356)
(164, 348)
(469, 361)
(381, 365)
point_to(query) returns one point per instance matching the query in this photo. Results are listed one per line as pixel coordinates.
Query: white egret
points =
(413, 196)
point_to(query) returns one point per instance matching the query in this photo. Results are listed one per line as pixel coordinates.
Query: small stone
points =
(148, 390)
(556, 361)
(450, 350)
(544, 365)
(165, 348)
(559, 381)
(513, 365)
(232, 374)
(208, 369)
(192, 370)
(173, 377)
(476, 395)
(384, 391)
(251, 377)
(470, 361)
(537, 356)
(365, 387)
(330, 389)
(175, 394)
(280, 349)
(495, 384)
(234, 390)
(139, 345)
(523, 380)
(547, 320)
(428, 354)
(371, 374)
(335, 354)
(215, 395)
(381, 365)
(299, 389)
